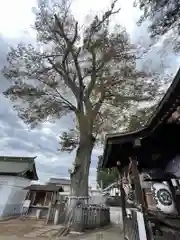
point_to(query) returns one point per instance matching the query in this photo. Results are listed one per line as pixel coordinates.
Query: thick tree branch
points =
(105, 17)
(68, 81)
(80, 78)
(98, 125)
(122, 98)
(65, 72)
(70, 47)
(66, 102)
(93, 76)
(99, 103)
(53, 88)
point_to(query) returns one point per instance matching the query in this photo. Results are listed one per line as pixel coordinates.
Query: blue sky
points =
(16, 138)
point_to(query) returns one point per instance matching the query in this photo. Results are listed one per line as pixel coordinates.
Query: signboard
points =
(26, 204)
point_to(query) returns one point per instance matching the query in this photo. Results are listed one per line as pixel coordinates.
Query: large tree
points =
(89, 73)
(164, 17)
(106, 176)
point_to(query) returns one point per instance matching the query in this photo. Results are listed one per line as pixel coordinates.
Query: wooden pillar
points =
(33, 197)
(45, 198)
(48, 213)
(123, 198)
(138, 190)
(123, 205)
(140, 202)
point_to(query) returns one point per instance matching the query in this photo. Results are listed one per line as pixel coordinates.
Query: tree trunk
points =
(80, 175)
(79, 182)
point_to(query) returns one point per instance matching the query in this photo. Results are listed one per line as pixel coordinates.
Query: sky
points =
(16, 139)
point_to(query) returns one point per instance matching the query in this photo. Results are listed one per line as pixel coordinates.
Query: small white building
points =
(16, 173)
(112, 190)
(63, 182)
(96, 196)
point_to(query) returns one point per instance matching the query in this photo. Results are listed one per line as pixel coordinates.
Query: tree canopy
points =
(163, 16)
(87, 72)
(106, 176)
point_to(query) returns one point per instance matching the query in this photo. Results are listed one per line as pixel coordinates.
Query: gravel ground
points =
(28, 229)
(113, 232)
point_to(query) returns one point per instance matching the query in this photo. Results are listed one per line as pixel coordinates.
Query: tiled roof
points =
(18, 166)
(45, 188)
(60, 181)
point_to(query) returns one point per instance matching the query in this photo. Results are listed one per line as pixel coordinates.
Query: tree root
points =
(63, 231)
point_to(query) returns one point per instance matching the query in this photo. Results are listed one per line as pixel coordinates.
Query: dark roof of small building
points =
(158, 137)
(59, 181)
(45, 188)
(18, 166)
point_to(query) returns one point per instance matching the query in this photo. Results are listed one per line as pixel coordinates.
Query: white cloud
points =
(16, 17)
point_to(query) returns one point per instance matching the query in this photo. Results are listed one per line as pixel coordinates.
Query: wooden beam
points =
(45, 199)
(33, 197)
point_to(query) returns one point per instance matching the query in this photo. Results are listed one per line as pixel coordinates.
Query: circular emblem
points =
(164, 197)
(131, 195)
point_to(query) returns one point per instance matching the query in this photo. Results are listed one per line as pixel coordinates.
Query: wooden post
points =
(45, 199)
(140, 202)
(49, 209)
(33, 197)
(56, 216)
(123, 196)
(123, 202)
(49, 212)
(101, 185)
(138, 190)
(28, 195)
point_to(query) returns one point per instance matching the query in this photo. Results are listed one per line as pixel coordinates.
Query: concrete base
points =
(3, 219)
(11, 210)
(116, 215)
